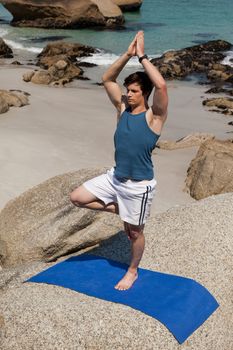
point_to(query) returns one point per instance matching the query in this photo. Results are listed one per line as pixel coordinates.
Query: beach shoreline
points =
(67, 129)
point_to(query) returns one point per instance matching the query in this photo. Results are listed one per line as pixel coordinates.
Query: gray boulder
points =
(47, 225)
(210, 172)
(194, 241)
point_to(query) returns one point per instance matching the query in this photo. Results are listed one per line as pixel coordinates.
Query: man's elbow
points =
(106, 79)
(162, 86)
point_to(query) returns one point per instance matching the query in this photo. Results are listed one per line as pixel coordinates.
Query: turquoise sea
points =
(169, 24)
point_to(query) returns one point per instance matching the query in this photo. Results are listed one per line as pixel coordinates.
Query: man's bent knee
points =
(135, 231)
(80, 196)
(74, 197)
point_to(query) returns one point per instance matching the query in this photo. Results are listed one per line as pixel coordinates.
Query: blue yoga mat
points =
(181, 304)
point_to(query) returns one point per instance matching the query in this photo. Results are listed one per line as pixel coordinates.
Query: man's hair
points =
(142, 79)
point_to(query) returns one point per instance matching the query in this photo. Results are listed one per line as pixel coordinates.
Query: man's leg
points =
(82, 198)
(137, 239)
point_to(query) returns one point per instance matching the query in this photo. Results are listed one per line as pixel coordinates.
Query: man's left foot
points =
(127, 281)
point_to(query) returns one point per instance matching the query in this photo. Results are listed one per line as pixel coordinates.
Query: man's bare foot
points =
(127, 281)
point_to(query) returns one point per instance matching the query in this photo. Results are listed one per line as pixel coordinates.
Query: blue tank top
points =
(134, 142)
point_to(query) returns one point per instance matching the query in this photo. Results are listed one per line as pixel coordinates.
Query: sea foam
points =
(103, 58)
(3, 32)
(228, 60)
(18, 46)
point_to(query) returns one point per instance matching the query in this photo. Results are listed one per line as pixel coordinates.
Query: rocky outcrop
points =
(47, 225)
(204, 58)
(64, 14)
(211, 172)
(12, 98)
(223, 104)
(194, 241)
(62, 51)
(5, 50)
(191, 140)
(219, 90)
(220, 73)
(128, 5)
(59, 63)
(58, 74)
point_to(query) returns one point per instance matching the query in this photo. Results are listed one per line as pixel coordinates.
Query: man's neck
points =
(138, 109)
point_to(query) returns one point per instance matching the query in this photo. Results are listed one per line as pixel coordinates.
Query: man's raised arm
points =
(110, 76)
(160, 98)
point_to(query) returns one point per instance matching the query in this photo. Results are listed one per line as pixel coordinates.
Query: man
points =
(128, 188)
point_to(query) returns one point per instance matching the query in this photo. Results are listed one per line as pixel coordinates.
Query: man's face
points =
(134, 94)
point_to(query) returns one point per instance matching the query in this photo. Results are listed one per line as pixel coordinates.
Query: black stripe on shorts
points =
(143, 205)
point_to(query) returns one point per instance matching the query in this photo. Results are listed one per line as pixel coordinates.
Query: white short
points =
(134, 198)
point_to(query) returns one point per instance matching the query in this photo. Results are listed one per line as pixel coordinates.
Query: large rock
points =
(5, 50)
(40, 77)
(64, 14)
(4, 107)
(47, 225)
(191, 140)
(12, 98)
(194, 241)
(60, 73)
(195, 59)
(61, 50)
(211, 171)
(59, 61)
(219, 90)
(128, 5)
(203, 60)
(223, 104)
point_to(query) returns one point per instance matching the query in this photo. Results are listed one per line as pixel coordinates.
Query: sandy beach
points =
(66, 129)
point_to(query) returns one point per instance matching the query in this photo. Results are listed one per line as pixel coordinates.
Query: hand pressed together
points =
(136, 47)
(140, 44)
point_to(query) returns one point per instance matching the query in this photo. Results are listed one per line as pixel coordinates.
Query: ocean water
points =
(168, 25)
